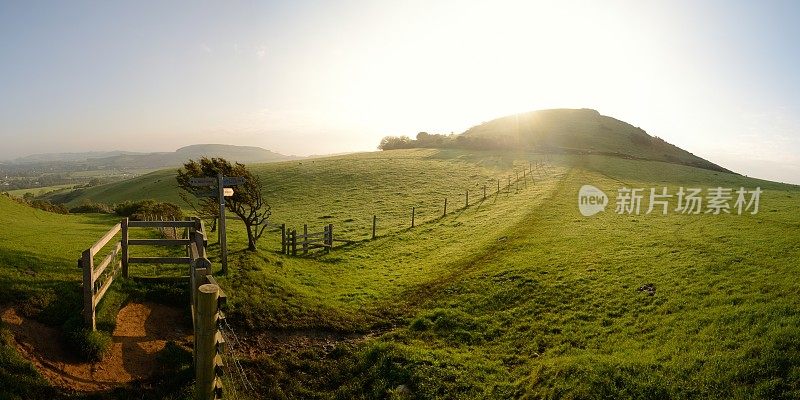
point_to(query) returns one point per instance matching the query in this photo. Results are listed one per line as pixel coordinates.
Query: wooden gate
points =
(205, 295)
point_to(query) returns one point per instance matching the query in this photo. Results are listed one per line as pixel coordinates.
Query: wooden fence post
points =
(498, 185)
(200, 238)
(330, 238)
(88, 289)
(445, 207)
(466, 199)
(294, 242)
(124, 241)
(484, 192)
(206, 332)
(374, 222)
(413, 211)
(325, 237)
(305, 238)
(283, 239)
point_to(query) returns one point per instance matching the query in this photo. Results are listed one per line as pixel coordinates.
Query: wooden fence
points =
(293, 242)
(205, 296)
(307, 241)
(97, 279)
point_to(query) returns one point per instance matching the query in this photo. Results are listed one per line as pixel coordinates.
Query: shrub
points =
(92, 207)
(148, 209)
(43, 205)
(50, 207)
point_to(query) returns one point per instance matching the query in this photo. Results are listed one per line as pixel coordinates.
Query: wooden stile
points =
(204, 302)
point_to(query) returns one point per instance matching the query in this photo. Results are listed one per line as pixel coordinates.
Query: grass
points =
(552, 311)
(517, 296)
(348, 190)
(40, 190)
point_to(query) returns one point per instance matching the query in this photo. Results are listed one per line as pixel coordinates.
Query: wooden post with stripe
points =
(206, 341)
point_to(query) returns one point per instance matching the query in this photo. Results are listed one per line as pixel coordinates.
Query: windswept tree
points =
(247, 201)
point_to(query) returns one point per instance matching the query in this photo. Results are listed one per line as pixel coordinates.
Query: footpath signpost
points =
(221, 189)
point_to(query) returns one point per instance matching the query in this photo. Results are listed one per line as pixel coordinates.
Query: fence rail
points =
(94, 288)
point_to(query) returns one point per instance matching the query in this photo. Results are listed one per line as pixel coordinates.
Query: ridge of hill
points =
(558, 131)
(582, 131)
(125, 159)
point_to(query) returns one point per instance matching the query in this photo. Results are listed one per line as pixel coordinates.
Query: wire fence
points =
(238, 383)
(433, 206)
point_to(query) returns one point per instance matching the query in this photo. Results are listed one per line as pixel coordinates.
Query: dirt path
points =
(253, 345)
(142, 330)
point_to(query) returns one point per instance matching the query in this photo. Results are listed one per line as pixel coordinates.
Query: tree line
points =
(450, 141)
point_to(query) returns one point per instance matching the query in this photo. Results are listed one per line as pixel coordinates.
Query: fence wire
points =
(232, 347)
(430, 208)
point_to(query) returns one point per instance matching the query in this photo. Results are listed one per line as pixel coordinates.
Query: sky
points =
(717, 78)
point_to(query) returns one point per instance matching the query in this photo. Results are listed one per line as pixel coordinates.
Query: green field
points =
(517, 296)
(40, 190)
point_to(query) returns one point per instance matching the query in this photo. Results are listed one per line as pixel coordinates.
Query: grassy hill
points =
(527, 298)
(582, 131)
(347, 190)
(517, 296)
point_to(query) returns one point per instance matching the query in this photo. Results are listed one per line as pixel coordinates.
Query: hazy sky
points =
(718, 78)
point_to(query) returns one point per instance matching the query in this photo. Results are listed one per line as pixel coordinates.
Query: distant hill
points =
(70, 157)
(581, 131)
(242, 154)
(122, 159)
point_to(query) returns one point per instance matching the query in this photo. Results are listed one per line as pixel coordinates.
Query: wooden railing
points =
(127, 242)
(206, 297)
(94, 288)
(97, 279)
